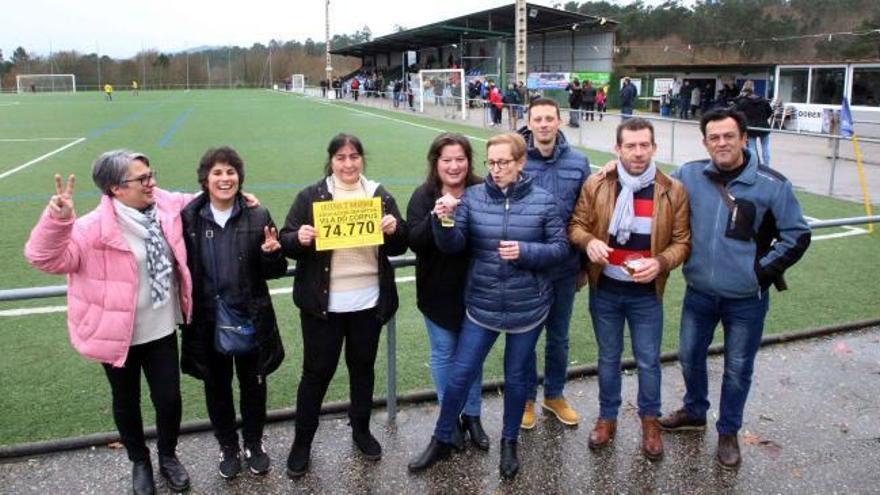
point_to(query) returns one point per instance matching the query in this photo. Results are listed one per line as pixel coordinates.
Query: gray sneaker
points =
(256, 457)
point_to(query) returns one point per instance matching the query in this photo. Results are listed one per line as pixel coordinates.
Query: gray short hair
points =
(111, 168)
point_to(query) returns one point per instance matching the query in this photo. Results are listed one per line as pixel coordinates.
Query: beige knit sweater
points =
(353, 268)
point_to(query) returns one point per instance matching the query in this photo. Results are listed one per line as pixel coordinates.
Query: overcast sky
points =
(121, 28)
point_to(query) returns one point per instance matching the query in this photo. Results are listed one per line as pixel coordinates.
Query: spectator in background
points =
(589, 101)
(396, 91)
(628, 95)
(355, 88)
(575, 98)
(108, 92)
(496, 103)
(695, 101)
(600, 102)
(684, 100)
(758, 111)
(514, 105)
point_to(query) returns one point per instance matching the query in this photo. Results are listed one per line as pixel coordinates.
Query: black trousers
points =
(589, 108)
(159, 361)
(322, 344)
(220, 402)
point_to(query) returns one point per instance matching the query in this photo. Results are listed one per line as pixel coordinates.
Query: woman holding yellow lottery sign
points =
(344, 287)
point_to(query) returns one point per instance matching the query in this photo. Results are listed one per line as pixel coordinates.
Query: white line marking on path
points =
(39, 159)
(28, 140)
(42, 310)
(850, 231)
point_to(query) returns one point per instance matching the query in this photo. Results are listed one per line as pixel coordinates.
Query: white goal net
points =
(298, 83)
(44, 83)
(441, 91)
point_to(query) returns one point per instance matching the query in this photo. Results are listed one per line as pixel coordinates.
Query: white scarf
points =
(146, 226)
(622, 220)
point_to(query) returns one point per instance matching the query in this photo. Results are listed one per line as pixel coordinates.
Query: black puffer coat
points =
(311, 283)
(254, 267)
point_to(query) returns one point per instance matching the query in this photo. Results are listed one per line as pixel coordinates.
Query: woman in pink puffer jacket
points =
(128, 289)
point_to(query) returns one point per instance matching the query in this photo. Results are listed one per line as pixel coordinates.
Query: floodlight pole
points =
(521, 40)
(329, 67)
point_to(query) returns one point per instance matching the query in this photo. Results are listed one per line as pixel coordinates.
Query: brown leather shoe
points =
(602, 434)
(728, 452)
(652, 442)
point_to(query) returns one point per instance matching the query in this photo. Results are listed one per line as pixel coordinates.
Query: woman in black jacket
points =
(440, 278)
(344, 297)
(231, 251)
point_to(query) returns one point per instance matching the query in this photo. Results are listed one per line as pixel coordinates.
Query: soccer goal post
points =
(44, 83)
(442, 90)
(298, 83)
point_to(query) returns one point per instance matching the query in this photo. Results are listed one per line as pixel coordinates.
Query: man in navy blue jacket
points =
(747, 229)
(560, 169)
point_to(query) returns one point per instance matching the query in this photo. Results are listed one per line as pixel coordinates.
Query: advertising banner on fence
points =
(347, 224)
(547, 80)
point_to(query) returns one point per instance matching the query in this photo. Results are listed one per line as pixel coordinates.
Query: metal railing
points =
(391, 399)
(814, 162)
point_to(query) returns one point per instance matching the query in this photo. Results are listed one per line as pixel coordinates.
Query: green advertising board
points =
(596, 78)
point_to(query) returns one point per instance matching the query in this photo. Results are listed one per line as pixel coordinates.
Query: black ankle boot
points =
(509, 463)
(300, 453)
(474, 429)
(367, 444)
(174, 473)
(142, 482)
(436, 452)
(458, 434)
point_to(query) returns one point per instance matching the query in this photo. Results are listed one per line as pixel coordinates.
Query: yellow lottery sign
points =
(347, 224)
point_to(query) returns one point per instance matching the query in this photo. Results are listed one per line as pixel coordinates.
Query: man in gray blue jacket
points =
(747, 229)
(561, 170)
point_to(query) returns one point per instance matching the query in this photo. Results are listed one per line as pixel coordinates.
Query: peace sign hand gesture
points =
(61, 204)
(271, 244)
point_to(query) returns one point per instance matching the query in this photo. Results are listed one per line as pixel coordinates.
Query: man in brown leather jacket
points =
(633, 224)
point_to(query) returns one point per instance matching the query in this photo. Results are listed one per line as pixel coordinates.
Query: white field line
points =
(42, 310)
(28, 140)
(9, 104)
(39, 159)
(850, 231)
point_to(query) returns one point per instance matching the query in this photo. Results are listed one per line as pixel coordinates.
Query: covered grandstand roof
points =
(493, 23)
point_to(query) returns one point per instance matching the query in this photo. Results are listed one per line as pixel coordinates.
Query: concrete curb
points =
(418, 396)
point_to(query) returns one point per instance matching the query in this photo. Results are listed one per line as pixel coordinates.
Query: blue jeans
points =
(644, 314)
(443, 345)
(743, 323)
(626, 112)
(474, 345)
(765, 148)
(556, 345)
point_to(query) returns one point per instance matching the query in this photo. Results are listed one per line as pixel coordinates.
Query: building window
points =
(866, 86)
(793, 85)
(827, 85)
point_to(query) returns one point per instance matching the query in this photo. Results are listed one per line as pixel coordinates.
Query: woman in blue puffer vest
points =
(513, 232)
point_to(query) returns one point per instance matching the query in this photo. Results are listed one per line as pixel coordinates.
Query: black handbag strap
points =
(728, 198)
(209, 235)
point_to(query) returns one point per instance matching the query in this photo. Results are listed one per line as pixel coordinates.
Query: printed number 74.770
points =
(350, 228)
